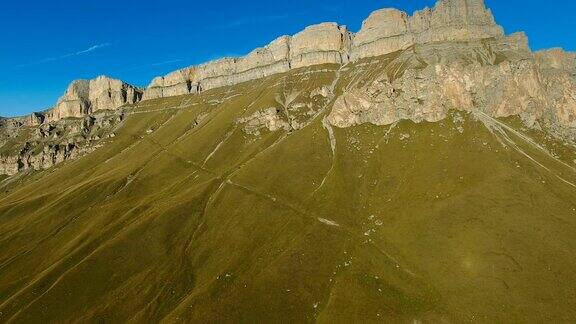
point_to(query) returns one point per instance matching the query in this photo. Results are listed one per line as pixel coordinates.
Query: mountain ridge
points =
(384, 31)
(432, 184)
(452, 56)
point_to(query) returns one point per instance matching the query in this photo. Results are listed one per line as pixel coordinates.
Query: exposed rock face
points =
(51, 143)
(82, 98)
(499, 77)
(48, 157)
(385, 31)
(557, 58)
(390, 30)
(319, 44)
(265, 119)
(87, 96)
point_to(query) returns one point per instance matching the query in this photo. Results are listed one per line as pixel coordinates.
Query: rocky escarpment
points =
(556, 58)
(318, 44)
(455, 57)
(384, 32)
(390, 30)
(497, 76)
(32, 119)
(84, 97)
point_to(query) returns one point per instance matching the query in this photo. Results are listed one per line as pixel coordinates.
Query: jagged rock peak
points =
(86, 96)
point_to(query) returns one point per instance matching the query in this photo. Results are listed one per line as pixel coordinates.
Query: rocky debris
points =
(319, 44)
(24, 147)
(265, 119)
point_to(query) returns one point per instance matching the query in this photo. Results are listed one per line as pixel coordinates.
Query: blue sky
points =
(46, 44)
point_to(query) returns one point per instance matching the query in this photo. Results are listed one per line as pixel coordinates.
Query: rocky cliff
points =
(84, 97)
(390, 30)
(87, 96)
(385, 31)
(318, 44)
(43, 146)
(556, 58)
(497, 76)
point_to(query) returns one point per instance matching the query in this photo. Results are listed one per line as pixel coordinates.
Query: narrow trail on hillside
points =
(229, 134)
(226, 138)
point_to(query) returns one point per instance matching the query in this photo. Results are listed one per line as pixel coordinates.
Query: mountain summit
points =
(422, 169)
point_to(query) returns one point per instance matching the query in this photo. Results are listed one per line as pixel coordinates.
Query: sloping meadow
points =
(244, 204)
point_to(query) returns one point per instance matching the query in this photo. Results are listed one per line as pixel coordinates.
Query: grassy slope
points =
(205, 223)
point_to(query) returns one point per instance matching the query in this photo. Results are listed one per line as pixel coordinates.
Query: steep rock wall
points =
(318, 44)
(87, 96)
(499, 77)
(383, 32)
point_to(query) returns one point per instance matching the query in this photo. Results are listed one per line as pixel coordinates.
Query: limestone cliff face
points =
(87, 96)
(33, 119)
(499, 77)
(385, 31)
(55, 140)
(319, 44)
(389, 30)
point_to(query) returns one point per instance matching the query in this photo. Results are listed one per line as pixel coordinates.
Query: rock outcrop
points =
(557, 58)
(84, 97)
(33, 119)
(389, 30)
(499, 77)
(384, 32)
(43, 146)
(319, 44)
(266, 119)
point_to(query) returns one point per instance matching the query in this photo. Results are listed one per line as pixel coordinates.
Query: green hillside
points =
(185, 217)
